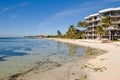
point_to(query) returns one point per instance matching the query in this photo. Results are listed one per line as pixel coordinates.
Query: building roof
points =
(91, 16)
(102, 11)
(109, 9)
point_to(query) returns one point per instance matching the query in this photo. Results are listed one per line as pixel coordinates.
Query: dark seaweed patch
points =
(9, 53)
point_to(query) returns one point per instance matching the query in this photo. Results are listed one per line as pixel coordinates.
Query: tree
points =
(59, 34)
(100, 31)
(82, 24)
(108, 22)
(80, 35)
(83, 35)
(71, 32)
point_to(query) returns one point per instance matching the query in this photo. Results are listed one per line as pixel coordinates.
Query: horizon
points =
(45, 17)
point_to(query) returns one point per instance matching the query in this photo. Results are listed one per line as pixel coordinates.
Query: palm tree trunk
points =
(109, 34)
(100, 36)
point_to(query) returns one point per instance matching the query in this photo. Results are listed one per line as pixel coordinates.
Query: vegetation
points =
(108, 22)
(100, 31)
(82, 24)
(83, 77)
(83, 35)
(59, 34)
(71, 33)
(96, 69)
(116, 40)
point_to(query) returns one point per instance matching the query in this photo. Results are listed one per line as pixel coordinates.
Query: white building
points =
(94, 21)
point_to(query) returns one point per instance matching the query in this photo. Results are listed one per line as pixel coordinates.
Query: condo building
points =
(95, 20)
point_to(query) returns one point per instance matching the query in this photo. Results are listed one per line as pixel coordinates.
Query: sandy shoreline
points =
(103, 67)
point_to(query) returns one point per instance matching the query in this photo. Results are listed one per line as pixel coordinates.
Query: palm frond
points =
(82, 24)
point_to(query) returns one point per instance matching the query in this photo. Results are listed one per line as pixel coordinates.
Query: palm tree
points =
(107, 22)
(59, 34)
(82, 24)
(100, 31)
(71, 32)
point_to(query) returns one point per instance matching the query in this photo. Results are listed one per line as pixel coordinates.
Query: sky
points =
(43, 17)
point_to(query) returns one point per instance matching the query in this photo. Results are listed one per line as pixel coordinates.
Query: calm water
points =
(20, 54)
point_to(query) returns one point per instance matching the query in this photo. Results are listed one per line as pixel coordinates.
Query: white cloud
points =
(74, 13)
(61, 15)
(7, 8)
(69, 12)
(14, 6)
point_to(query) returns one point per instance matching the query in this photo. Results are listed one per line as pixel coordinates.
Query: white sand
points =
(72, 71)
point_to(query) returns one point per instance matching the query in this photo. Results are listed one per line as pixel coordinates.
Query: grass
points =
(84, 67)
(82, 77)
(96, 69)
(116, 40)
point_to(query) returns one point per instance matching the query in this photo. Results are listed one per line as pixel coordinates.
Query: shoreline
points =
(108, 63)
(30, 62)
(97, 68)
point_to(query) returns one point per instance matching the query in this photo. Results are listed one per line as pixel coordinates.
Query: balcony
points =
(97, 19)
(93, 20)
(115, 14)
(117, 22)
(111, 14)
(96, 24)
(111, 28)
(90, 30)
(90, 26)
(91, 35)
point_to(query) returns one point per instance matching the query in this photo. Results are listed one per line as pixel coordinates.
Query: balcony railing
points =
(116, 21)
(94, 20)
(91, 34)
(90, 26)
(111, 28)
(112, 15)
(115, 14)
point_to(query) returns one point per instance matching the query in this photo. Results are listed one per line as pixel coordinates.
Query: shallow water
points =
(20, 55)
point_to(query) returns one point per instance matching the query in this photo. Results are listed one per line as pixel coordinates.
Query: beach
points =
(102, 67)
(59, 40)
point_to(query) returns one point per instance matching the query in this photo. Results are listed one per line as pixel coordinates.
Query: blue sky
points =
(35, 17)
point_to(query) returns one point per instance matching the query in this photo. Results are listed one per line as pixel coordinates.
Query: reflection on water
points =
(22, 54)
(72, 49)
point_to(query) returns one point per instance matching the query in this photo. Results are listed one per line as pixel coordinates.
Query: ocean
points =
(20, 55)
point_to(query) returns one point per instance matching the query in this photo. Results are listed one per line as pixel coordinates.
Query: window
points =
(118, 13)
(95, 18)
(106, 14)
